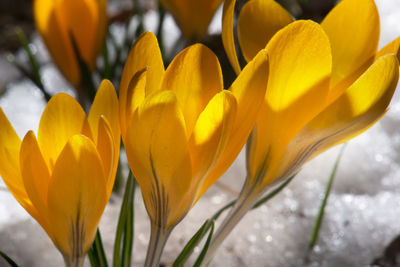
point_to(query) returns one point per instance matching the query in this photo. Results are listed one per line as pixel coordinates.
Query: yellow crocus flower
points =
(192, 16)
(181, 130)
(84, 20)
(327, 84)
(64, 177)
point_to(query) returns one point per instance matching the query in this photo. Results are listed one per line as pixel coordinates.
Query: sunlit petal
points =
(249, 91)
(211, 133)
(298, 85)
(355, 111)
(62, 118)
(353, 30)
(195, 77)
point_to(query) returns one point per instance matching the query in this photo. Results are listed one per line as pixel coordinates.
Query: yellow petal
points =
(258, 21)
(353, 29)
(130, 98)
(62, 118)
(249, 90)
(108, 152)
(298, 85)
(195, 77)
(157, 151)
(55, 34)
(355, 111)
(211, 133)
(193, 17)
(228, 39)
(144, 54)
(106, 104)
(391, 48)
(10, 145)
(81, 19)
(77, 196)
(36, 176)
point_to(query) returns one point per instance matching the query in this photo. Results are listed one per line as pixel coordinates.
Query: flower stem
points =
(74, 261)
(158, 238)
(244, 203)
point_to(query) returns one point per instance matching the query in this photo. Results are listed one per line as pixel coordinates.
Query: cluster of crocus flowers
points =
(327, 83)
(64, 177)
(181, 130)
(62, 22)
(192, 16)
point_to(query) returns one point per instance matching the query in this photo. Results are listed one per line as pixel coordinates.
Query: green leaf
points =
(93, 258)
(129, 228)
(122, 221)
(11, 58)
(118, 177)
(35, 75)
(106, 74)
(205, 248)
(8, 259)
(318, 220)
(98, 246)
(86, 75)
(273, 192)
(188, 249)
(198, 236)
(139, 12)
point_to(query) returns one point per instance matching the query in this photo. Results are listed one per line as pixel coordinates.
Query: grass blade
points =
(318, 220)
(86, 74)
(129, 228)
(273, 192)
(35, 75)
(8, 259)
(93, 258)
(198, 236)
(101, 255)
(205, 248)
(188, 249)
(121, 222)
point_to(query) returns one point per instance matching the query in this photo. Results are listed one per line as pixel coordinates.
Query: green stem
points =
(244, 203)
(158, 238)
(122, 221)
(73, 262)
(100, 250)
(129, 229)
